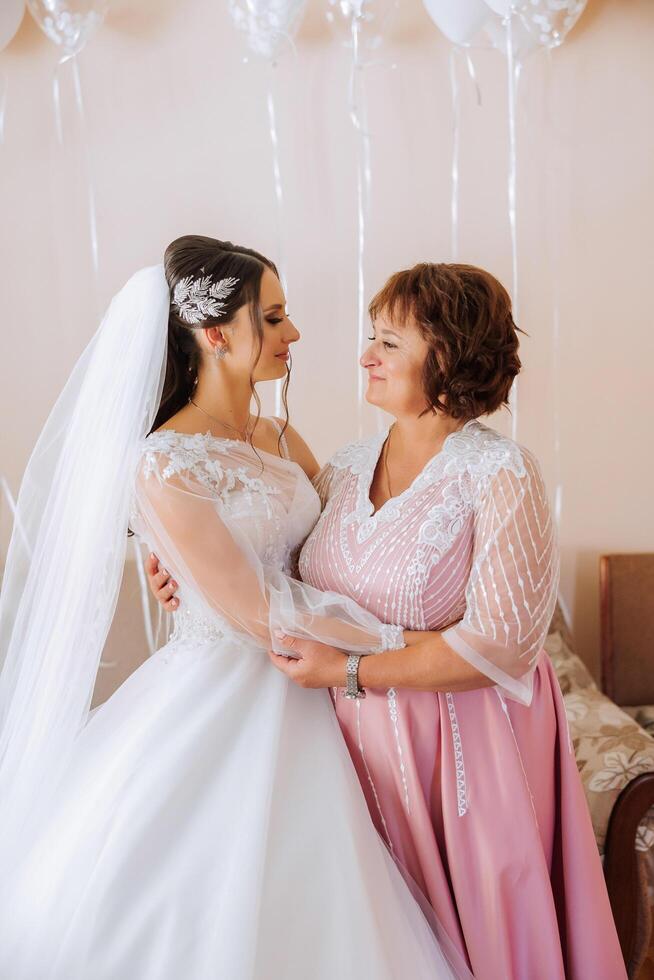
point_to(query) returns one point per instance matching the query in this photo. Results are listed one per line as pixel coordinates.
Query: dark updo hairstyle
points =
(195, 256)
(465, 316)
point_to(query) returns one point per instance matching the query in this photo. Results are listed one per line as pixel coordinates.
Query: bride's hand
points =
(162, 586)
(317, 665)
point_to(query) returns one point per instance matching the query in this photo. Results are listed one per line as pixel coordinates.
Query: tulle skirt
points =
(212, 825)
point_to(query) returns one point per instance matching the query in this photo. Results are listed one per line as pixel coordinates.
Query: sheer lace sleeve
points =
(225, 532)
(511, 593)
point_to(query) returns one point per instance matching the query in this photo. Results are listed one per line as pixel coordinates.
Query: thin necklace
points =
(386, 471)
(243, 433)
(385, 456)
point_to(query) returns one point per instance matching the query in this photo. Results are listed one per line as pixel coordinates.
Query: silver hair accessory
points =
(197, 299)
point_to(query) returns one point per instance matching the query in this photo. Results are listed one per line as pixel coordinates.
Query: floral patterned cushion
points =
(571, 671)
(611, 748)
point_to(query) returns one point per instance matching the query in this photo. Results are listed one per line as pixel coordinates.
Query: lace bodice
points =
(254, 501)
(225, 518)
(470, 542)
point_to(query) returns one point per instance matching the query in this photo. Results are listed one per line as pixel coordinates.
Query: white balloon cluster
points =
(269, 24)
(535, 23)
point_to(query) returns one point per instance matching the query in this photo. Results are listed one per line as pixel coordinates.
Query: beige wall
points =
(178, 143)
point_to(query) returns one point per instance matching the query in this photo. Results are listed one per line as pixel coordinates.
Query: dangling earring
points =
(219, 352)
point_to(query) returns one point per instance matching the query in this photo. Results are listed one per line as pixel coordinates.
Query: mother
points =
(442, 525)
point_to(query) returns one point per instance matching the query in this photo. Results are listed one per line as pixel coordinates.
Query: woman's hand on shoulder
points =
(299, 451)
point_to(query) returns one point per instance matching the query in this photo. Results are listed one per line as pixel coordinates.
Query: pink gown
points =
(476, 794)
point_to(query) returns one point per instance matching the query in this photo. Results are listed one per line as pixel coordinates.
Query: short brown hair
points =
(464, 313)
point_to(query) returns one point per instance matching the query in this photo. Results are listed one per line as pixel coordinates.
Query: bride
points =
(206, 821)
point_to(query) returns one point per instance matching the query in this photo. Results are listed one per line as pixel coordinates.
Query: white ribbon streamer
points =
(4, 89)
(555, 273)
(513, 74)
(56, 98)
(90, 189)
(279, 199)
(455, 92)
(358, 116)
(93, 224)
(456, 133)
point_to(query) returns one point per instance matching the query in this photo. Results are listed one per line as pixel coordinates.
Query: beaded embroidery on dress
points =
(471, 537)
(475, 450)
(443, 553)
(468, 549)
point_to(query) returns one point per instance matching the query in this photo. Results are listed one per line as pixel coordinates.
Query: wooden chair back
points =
(627, 627)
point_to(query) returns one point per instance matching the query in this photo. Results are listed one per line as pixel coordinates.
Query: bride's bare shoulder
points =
(181, 421)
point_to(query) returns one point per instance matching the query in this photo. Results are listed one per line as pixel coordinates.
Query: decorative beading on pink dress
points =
(476, 793)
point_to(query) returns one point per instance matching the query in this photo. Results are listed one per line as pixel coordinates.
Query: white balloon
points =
(68, 23)
(549, 20)
(11, 15)
(459, 20)
(267, 24)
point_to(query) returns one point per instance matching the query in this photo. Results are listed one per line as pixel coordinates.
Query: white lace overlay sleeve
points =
(512, 589)
(225, 530)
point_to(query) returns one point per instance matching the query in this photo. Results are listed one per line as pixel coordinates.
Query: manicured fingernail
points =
(164, 571)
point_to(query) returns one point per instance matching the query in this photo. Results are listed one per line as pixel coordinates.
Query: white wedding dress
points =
(210, 823)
